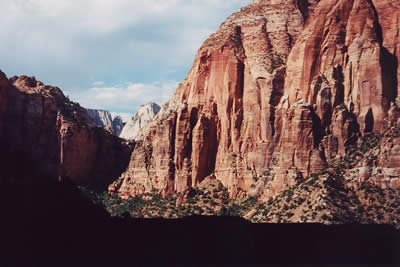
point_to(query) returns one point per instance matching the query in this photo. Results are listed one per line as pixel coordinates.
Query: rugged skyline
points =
(284, 92)
(112, 55)
(289, 114)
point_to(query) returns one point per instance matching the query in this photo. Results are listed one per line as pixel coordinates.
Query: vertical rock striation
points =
(283, 88)
(221, 118)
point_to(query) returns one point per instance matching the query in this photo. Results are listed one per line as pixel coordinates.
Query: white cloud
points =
(102, 16)
(36, 29)
(76, 45)
(126, 97)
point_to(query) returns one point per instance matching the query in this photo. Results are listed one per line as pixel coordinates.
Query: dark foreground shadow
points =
(43, 221)
(55, 223)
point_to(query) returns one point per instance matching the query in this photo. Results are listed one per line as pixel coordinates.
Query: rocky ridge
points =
(41, 124)
(278, 93)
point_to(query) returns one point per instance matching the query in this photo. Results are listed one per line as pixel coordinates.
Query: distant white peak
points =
(144, 114)
(150, 107)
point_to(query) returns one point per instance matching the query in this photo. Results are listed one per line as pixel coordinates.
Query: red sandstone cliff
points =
(281, 89)
(40, 123)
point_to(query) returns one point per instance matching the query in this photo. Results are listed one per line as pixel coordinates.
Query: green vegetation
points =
(321, 197)
(213, 201)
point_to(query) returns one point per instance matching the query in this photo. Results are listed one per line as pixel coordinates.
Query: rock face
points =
(381, 165)
(104, 119)
(40, 123)
(139, 120)
(282, 88)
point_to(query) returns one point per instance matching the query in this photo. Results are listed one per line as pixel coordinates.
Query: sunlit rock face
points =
(280, 90)
(39, 122)
(144, 114)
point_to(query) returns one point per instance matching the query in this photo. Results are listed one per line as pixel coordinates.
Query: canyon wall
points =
(38, 122)
(280, 90)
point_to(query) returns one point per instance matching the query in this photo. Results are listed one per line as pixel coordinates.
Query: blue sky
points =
(108, 54)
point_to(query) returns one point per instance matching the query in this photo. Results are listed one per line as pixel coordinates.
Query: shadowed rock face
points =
(4, 85)
(117, 125)
(41, 123)
(49, 221)
(54, 222)
(389, 22)
(282, 87)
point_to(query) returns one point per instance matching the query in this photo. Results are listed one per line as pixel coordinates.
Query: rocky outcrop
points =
(219, 118)
(144, 114)
(380, 165)
(332, 61)
(40, 123)
(282, 88)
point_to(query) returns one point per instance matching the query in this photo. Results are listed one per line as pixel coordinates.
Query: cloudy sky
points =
(108, 54)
